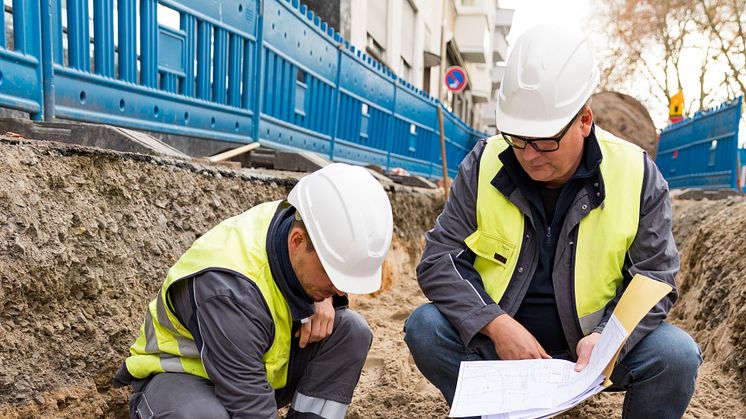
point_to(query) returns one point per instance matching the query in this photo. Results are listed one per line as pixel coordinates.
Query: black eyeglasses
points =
(543, 145)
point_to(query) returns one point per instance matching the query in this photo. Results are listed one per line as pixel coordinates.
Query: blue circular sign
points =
(455, 79)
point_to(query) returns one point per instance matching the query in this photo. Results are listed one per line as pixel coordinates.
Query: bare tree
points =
(724, 21)
(647, 38)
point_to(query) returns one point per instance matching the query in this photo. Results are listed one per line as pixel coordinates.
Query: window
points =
(377, 22)
(374, 49)
(405, 70)
(426, 80)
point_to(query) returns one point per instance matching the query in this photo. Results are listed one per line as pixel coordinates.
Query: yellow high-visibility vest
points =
(604, 237)
(237, 244)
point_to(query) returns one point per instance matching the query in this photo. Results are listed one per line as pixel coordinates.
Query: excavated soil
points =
(86, 237)
(625, 117)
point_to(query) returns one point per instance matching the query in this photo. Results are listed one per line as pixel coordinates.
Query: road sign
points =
(676, 105)
(456, 79)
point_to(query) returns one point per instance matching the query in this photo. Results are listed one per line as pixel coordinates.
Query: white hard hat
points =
(549, 76)
(348, 216)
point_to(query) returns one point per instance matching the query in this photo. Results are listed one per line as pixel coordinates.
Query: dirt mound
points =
(712, 305)
(87, 237)
(626, 118)
(86, 240)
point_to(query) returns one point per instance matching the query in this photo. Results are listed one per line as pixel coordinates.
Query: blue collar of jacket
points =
(301, 306)
(511, 175)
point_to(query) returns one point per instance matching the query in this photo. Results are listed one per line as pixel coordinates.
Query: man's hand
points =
(512, 340)
(318, 326)
(584, 350)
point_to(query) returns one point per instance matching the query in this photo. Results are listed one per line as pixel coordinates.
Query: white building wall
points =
(393, 32)
(358, 23)
(419, 44)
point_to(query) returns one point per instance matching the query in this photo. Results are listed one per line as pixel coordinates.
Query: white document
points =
(533, 388)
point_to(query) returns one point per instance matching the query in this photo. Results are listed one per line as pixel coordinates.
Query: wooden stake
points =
(233, 153)
(443, 151)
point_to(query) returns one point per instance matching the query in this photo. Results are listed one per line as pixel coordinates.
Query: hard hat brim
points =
(353, 284)
(530, 128)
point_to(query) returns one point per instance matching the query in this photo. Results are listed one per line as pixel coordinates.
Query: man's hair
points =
(298, 222)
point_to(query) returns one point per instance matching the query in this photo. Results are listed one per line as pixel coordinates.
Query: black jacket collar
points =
(301, 306)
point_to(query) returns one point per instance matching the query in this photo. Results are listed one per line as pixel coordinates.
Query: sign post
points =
(455, 80)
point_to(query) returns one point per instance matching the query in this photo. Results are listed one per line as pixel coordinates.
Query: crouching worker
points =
(253, 316)
(543, 230)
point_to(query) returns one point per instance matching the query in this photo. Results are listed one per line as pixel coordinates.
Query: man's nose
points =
(529, 153)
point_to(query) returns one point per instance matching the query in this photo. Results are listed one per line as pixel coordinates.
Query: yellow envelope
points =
(641, 295)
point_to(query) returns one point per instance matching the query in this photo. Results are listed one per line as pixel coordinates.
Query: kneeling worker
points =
(253, 315)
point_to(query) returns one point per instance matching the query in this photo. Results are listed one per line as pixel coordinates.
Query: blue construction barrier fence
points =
(238, 71)
(702, 151)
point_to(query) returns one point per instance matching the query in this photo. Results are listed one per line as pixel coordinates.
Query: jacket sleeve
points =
(445, 272)
(233, 328)
(653, 253)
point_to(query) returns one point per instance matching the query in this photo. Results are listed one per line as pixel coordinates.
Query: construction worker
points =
(253, 315)
(544, 228)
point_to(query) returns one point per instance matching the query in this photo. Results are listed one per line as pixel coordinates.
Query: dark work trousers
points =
(326, 370)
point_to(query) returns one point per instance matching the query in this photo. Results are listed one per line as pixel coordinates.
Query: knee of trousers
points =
(681, 358)
(353, 332)
(197, 408)
(201, 409)
(425, 329)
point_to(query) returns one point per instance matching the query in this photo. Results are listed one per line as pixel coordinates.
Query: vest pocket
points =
(276, 364)
(491, 247)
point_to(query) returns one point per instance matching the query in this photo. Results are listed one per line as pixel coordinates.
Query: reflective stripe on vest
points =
(237, 244)
(604, 237)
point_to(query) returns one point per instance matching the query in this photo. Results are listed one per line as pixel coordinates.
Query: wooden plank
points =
(206, 161)
(233, 153)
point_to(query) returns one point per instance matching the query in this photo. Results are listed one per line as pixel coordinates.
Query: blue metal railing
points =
(233, 70)
(20, 65)
(169, 96)
(702, 152)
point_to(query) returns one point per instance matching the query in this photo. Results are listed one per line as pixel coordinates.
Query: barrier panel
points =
(415, 133)
(20, 58)
(320, 93)
(702, 151)
(365, 105)
(233, 70)
(299, 78)
(460, 139)
(193, 75)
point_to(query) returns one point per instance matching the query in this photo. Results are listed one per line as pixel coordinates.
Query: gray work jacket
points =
(447, 277)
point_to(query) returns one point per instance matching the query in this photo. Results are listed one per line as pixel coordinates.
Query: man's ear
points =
(586, 121)
(296, 239)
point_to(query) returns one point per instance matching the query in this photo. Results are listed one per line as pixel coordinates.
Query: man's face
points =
(308, 268)
(555, 168)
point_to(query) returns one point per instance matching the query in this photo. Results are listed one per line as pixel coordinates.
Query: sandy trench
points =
(86, 237)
